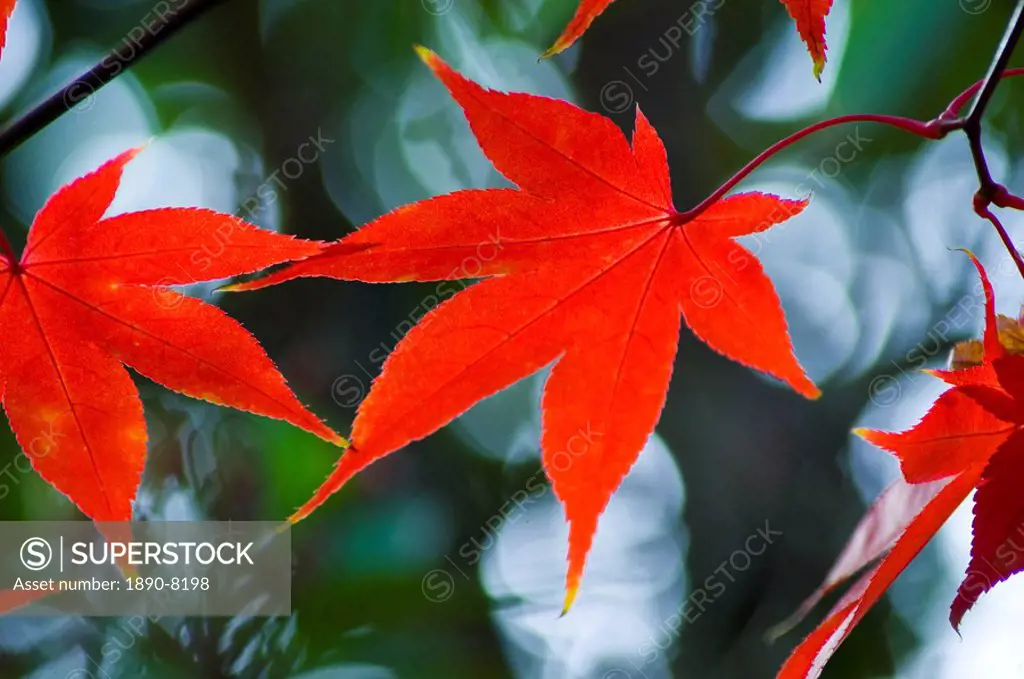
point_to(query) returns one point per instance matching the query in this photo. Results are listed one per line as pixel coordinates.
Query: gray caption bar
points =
(210, 568)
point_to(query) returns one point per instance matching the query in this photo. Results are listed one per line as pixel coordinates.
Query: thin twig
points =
(989, 190)
(108, 68)
(931, 130)
(984, 212)
(953, 110)
(937, 128)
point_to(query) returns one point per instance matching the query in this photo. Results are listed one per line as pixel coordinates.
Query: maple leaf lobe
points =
(997, 548)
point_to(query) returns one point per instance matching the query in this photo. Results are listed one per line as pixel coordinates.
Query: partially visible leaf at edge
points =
(587, 11)
(809, 16)
(6, 10)
(959, 445)
(809, 658)
(885, 520)
(90, 294)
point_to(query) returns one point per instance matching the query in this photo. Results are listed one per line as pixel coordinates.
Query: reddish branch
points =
(937, 128)
(991, 192)
(985, 213)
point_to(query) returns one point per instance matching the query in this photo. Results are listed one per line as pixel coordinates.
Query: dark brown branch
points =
(155, 28)
(971, 123)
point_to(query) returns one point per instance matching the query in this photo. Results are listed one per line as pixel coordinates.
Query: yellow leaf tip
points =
(244, 286)
(426, 55)
(559, 45)
(807, 389)
(570, 598)
(133, 152)
(819, 68)
(551, 51)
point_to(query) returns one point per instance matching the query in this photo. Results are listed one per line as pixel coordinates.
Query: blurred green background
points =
(422, 567)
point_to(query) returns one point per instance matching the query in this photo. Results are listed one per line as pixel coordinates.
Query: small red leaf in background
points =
(970, 438)
(587, 266)
(881, 525)
(578, 25)
(6, 9)
(809, 16)
(809, 658)
(88, 296)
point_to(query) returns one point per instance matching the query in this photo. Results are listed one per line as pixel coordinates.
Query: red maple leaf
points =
(90, 294)
(587, 266)
(809, 16)
(6, 9)
(970, 438)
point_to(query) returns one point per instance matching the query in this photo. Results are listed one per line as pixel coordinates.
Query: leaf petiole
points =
(937, 128)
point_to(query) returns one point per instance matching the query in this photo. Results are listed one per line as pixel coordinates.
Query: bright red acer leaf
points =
(6, 9)
(970, 438)
(809, 16)
(88, 295)
(587, 267)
